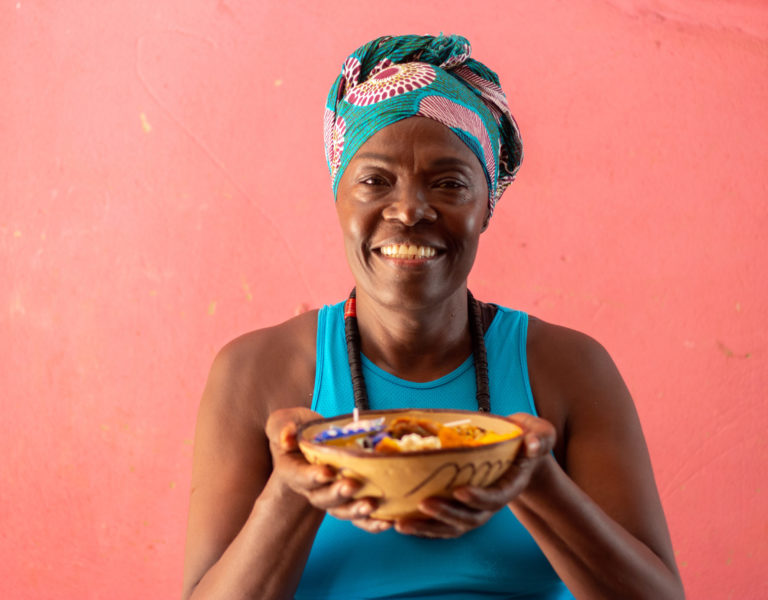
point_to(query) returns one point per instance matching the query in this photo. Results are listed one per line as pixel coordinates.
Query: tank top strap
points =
(333, 386)
(506, 342)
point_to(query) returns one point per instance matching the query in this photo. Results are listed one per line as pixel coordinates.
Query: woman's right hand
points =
(319, 484)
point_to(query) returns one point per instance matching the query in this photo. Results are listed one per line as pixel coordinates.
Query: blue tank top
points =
(499, 559)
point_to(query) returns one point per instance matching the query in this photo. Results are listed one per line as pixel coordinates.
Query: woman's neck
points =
(417, 345)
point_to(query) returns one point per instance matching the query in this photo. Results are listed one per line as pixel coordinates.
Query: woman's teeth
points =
(407, 251)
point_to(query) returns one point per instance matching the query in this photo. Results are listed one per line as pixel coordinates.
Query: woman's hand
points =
(317, 483)
(473, 506)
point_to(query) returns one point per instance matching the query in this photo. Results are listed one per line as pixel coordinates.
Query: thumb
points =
(539, 436)
(288, 441)
(283, 424)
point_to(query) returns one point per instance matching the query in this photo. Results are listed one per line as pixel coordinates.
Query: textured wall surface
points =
(163, 189)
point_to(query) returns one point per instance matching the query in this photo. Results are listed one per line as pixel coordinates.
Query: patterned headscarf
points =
(393, 78)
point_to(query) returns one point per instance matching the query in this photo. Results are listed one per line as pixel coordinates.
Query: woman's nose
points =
(410, 206)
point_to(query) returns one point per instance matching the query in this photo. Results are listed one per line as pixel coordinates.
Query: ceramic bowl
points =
(401, 481)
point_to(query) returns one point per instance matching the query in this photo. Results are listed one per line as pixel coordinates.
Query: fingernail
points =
(534, 445)
(286, 439)
(363, 509)
(462, 495)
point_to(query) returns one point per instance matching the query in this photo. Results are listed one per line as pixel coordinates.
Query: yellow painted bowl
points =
(401, 481)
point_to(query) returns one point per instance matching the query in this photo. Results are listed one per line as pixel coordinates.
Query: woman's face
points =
(412, 204)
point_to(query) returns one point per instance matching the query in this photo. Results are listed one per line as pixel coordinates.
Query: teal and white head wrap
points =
(394, 78)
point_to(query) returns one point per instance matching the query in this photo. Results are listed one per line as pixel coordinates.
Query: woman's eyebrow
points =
(450, 161)
(373, 156)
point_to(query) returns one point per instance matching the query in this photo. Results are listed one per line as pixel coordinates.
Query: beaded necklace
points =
(352, 334)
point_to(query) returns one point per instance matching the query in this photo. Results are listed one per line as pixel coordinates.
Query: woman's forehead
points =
(416, 135)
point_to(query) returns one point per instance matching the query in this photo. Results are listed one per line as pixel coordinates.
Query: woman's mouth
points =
(407, 251)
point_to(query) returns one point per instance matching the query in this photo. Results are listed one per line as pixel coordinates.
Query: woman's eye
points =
(373, 180)
(450, 184)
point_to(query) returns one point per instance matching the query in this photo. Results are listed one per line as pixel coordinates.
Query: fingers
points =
(350, 510)
(429, 528)
(493, 498)
(459, 515)
(357, 512)
(319, 484)
(315, 482)
(293, 468)
(338, 496)
(372, 525)
(288, 461)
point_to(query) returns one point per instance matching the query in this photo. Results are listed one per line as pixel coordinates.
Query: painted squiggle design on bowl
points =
(466, 474)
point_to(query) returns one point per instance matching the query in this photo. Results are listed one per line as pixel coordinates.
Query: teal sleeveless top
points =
(499, 559)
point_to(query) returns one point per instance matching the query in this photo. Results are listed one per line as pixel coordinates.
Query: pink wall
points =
(163, 189)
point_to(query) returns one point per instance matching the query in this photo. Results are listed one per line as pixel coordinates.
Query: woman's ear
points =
(486, 219)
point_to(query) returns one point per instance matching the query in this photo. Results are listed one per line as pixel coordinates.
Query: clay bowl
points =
(401, 481)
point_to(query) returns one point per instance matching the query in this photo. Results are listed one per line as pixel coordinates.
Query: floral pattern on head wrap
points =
(394, 78)
(389, 81)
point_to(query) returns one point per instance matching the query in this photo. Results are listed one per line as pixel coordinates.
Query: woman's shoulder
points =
(560, 344)
(266, 369)
(550, 342)
(296, 335)
(572, 362)
(574, 380)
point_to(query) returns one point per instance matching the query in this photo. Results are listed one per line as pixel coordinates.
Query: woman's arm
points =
(592, 552)
(255, 503)
(236, 545)
(596, 516)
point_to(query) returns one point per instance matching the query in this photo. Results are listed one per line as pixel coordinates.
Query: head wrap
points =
(394, 78)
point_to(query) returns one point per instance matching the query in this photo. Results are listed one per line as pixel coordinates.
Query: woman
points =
(420, 145)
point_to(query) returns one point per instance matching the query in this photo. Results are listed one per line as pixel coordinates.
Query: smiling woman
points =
(420, 145)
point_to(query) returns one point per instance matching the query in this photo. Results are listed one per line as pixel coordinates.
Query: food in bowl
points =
(409, 434)
(474, 449)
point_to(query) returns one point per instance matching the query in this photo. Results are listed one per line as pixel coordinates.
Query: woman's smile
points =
(408, 251)
(408, 257)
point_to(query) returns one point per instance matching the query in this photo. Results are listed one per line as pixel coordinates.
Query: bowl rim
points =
(400, 455)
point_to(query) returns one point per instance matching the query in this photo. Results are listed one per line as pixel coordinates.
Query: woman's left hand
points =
(472, 506)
